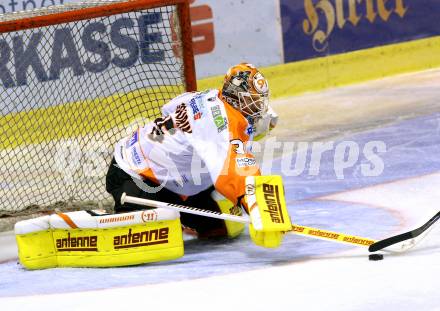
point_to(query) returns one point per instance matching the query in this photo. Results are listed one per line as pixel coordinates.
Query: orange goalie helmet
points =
(246, 89)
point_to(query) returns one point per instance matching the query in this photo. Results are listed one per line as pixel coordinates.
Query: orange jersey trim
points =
(149, 174)
(146, 173)
(231, 181)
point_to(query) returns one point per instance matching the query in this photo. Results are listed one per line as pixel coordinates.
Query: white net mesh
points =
(69, 91)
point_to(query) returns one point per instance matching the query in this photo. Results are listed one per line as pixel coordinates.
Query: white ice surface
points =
(342, 281)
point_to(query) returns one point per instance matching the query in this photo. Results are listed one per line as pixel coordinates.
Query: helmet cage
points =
(253, 106)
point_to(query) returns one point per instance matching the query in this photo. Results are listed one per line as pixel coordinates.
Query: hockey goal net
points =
(74, 79)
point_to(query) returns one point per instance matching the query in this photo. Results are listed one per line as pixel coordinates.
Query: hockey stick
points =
(296, 229)
(410, 235)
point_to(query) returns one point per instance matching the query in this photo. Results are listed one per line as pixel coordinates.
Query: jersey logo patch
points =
(195, 109)
(243, 162)
(135, 156)
(250, 130)
(133, 139)
(219, 120)
(182, 119)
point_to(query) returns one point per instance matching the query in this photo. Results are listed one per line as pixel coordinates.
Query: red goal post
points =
(59, 98)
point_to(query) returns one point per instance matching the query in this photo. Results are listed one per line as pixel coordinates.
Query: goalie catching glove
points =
(267, 209)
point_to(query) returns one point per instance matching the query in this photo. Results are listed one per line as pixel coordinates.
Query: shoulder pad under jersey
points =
(171, 106)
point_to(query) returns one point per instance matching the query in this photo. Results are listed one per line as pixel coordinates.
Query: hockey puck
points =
(375, 257)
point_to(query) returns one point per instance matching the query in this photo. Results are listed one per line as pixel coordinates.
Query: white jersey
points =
(198, 142)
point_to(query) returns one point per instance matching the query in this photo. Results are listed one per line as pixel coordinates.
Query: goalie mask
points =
(246, 89)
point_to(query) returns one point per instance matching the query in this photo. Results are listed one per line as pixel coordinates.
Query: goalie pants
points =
(118, 182)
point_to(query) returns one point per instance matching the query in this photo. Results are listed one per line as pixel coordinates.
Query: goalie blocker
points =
(267, 210)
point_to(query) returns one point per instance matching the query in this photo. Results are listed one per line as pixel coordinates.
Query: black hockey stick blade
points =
(379, 245)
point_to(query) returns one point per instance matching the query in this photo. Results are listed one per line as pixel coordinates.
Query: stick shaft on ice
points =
(296, 229)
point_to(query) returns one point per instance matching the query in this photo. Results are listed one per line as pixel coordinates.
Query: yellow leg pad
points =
(36, 250)
(105, 247)
(234, 228)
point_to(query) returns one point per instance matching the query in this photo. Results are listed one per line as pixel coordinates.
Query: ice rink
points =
(403, 112)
